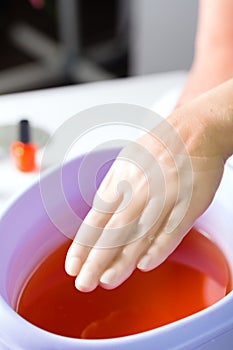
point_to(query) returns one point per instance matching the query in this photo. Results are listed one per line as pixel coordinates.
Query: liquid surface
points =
(195, 276)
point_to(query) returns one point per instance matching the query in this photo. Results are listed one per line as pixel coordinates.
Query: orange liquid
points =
(195, 276)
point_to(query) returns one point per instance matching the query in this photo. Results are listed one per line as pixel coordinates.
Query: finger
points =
(88, 235)
(104, 204)
(125, 264)
(126, 224)
(97, 261)
(75, 257)
(84, 240)
(158, 252)
(166, 242)
(115, 236)
(101, 256)
(110, 267)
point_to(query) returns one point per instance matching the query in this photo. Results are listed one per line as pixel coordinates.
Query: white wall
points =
(162, 35)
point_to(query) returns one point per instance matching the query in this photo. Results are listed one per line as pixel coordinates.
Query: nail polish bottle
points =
(23, 151)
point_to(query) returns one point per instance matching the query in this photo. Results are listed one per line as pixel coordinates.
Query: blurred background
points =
(47, 43)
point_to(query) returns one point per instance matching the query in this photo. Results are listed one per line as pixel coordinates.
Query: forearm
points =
(215, 26)
(213, 58)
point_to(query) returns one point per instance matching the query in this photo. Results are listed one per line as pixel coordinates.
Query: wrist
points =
(206, 124)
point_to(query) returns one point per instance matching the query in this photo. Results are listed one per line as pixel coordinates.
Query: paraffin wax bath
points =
(194, 277)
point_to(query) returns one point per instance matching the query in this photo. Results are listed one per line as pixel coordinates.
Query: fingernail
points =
(73, 265)
(144, 263)
(86, 281)
(108, 276)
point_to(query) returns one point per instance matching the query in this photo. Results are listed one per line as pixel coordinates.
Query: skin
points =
(205, 125)
(213, 59)
(203, 121)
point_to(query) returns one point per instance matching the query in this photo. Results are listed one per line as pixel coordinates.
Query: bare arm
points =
(215, 26)
(213, 59)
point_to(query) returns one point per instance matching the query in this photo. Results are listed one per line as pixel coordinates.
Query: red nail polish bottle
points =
(23, 151)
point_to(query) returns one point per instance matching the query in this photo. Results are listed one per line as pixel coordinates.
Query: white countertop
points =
(50, 107)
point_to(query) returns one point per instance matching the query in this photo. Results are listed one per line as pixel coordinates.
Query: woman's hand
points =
(153, 193)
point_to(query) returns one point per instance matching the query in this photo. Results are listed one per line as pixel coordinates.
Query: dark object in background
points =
(100, 37)
(4, 4)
